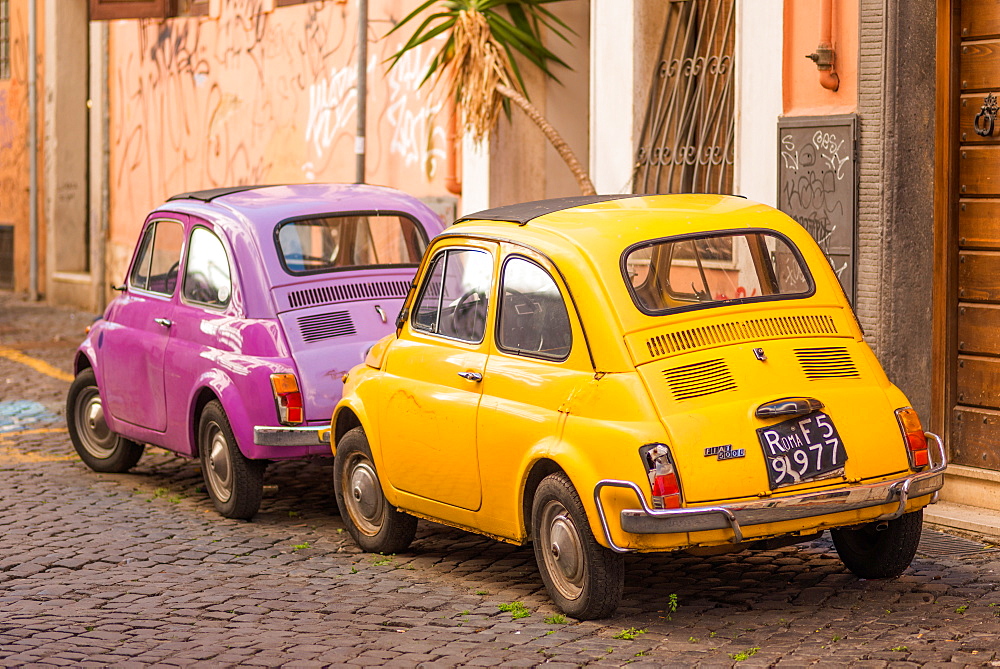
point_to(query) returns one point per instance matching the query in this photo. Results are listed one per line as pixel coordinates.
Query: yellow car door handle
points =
(471, 376)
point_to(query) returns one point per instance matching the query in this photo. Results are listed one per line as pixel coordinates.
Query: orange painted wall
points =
(803, 95)
(262, 97)
(14, 167)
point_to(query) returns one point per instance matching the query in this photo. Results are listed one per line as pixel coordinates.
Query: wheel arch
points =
(201, 398)
(350, 413)
(81, 362)
(344, 421)
(539, 470)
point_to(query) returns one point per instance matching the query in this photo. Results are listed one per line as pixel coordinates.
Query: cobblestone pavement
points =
(138, 569)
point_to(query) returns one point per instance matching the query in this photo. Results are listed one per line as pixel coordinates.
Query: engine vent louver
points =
(699, 379)
(829, 362)
(737, 331)
(326, 326)
(347, 292)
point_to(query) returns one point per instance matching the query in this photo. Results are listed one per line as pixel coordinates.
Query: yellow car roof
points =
(592, 222)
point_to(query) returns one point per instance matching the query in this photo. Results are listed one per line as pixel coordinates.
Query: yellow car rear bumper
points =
(736, 516)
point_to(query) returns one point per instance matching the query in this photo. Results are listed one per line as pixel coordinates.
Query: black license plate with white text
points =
(801, 449)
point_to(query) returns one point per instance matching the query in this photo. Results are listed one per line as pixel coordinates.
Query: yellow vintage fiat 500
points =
(601, 375)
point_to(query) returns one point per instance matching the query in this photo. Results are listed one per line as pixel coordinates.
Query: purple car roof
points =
(248, 215)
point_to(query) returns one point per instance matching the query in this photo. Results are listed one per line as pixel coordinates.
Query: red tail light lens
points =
(663, 478)
(913, 434)
(287, 398)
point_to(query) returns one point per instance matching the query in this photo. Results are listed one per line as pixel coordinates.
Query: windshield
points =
(349, 241)
(709, 270)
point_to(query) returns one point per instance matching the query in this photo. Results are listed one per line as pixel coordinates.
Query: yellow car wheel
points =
(582, 577)
(375, 525)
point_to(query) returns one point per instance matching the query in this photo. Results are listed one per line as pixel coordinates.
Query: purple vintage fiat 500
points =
(242, 310)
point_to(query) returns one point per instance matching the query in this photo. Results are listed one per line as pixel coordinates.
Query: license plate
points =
(800, 449)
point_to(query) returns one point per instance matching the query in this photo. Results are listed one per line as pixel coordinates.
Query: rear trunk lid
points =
(708, 380)
(331, 323)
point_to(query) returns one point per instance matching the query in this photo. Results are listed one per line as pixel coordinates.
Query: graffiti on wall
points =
(8, 127)
(263, 97)
(817, 185)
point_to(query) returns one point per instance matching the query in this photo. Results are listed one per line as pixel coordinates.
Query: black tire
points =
(376, 525)
(234, 482)
(100, 449)
(583, 578)
(873, 553)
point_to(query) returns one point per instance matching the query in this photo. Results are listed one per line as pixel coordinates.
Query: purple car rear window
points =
(347, 241)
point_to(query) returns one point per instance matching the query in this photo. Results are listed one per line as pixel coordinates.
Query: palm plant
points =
(477, 61)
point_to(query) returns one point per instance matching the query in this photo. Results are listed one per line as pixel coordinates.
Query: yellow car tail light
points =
(913, 434)
(287, 398)
(663, 478)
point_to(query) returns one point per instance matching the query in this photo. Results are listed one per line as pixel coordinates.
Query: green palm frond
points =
(478, 61)
(515, 27)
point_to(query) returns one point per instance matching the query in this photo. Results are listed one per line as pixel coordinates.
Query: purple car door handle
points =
(471, 376)
(165, 322)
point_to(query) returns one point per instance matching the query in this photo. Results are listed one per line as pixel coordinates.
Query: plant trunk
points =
(560, 145)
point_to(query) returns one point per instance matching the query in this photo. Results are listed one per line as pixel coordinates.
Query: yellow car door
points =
(539, 359)
(432, 384)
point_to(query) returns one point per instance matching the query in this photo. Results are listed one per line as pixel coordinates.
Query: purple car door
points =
(138, 328)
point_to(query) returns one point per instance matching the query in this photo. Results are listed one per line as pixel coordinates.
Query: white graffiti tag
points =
(415, 136)
(332, 105)
(830, 146)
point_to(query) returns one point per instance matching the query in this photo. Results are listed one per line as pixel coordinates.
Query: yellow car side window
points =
(454, 299)
(533, 316)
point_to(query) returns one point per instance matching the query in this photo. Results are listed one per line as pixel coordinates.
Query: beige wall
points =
(523, 164)
(261, 97)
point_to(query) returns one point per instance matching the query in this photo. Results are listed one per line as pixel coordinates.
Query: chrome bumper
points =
(772, 510)
(291, 436)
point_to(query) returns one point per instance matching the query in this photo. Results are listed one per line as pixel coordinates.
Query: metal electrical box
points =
(818, 185)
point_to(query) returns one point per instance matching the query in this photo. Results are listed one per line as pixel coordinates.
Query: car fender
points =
(584, 473)
(228, 393)
(354, 406)
(86, 356)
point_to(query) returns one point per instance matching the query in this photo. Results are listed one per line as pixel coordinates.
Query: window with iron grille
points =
(4, 39)
(687, 139)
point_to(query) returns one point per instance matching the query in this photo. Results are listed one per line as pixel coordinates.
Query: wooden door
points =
(974, 398)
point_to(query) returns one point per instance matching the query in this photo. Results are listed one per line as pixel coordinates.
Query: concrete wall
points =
(254, 96)
(896, 102)
(65, 141)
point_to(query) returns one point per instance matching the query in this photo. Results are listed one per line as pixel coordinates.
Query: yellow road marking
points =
(11, 453)
(39, 366)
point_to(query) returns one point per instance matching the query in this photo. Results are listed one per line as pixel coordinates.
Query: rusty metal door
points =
(687, 138)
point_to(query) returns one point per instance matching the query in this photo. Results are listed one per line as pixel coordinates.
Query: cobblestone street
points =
(138, 569)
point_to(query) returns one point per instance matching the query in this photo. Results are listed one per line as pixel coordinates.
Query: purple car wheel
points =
(100, 449)
(234, 482)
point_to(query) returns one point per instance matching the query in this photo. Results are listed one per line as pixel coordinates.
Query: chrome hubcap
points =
(95, 436)
(564, 558)
(364, 500)
(219, 466)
